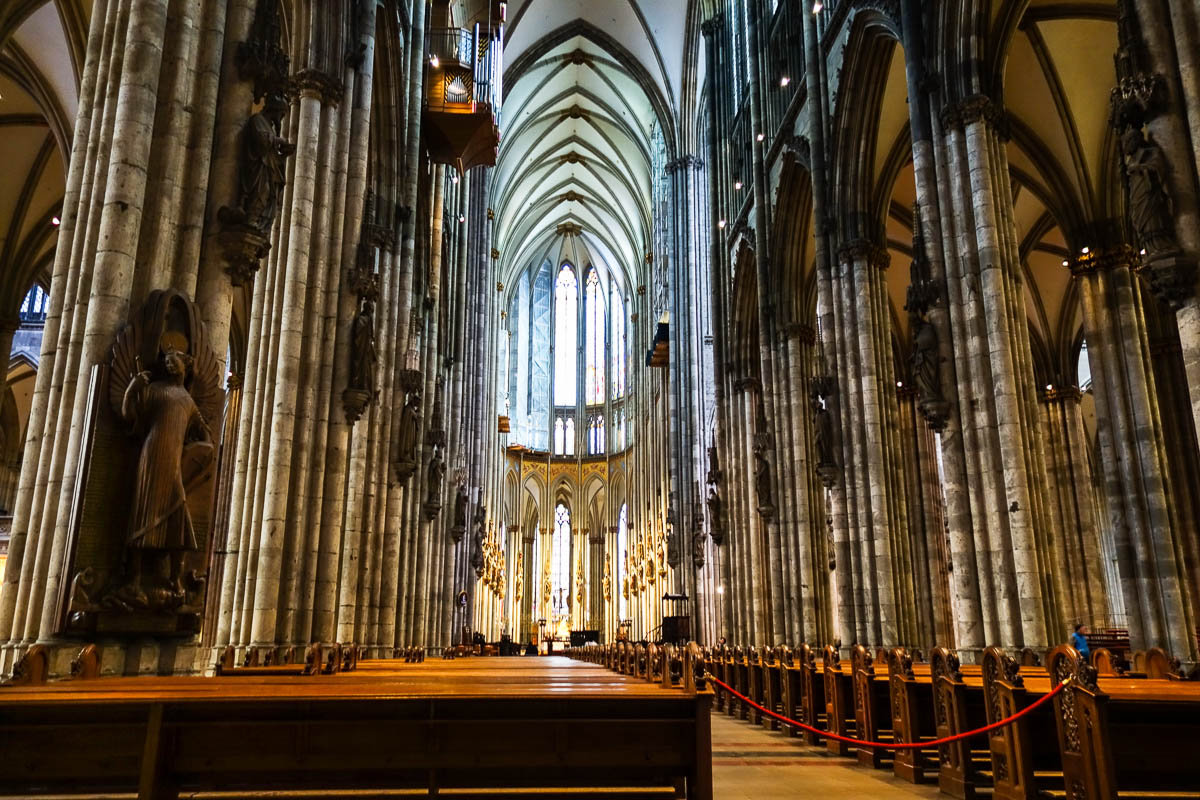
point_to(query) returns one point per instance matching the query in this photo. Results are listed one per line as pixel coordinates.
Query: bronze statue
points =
(1149, 198)
(168, 384)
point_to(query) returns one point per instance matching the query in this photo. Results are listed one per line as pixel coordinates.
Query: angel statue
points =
(168, 383)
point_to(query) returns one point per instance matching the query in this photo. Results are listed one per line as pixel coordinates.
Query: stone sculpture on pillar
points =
(361, 388)
(409, 438)
(1139, 97)
(697, 540)
(165, 385)
(926, 358)
(674, 554)
(477, 540)
(823, 432)
(459, 529)
(434, 474)
(264, 152)
(716, 509)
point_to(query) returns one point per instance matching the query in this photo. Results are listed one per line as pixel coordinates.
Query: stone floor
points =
(752, 763)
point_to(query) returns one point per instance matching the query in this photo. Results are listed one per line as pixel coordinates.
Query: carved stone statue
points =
(1148, 195)
(822, 432)
(460, 514)
(409, 438)
(762, 484)
(926, 361)
(264, 160)
(434, 475)
(697, 543)
(363, 357)
(169, 385)
(716, 515)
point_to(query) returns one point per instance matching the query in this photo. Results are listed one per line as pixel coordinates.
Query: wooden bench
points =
(872, 707)
(482, 726)
(1124, 738)
(910, 687)
(839, 699)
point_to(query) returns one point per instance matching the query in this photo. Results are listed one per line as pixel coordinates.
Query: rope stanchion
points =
(895, 745)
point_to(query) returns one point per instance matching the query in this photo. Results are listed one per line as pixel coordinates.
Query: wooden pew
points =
(910, 688)
(839, 699)
(1025, 757)
(1124, 738)
(459, 724)
(812, 695)
(754, 687)
(772, 671)
(958, 706)
(872, 707)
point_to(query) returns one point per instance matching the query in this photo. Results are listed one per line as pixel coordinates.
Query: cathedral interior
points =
(544, 326)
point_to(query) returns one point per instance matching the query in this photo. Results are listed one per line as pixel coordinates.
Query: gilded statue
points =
(166, 384)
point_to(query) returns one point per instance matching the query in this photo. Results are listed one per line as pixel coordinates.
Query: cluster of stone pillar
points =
(371, 285)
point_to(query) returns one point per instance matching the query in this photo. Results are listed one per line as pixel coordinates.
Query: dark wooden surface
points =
(476, 722)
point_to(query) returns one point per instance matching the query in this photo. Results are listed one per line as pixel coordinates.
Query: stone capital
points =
(864, 249)
(315, 83)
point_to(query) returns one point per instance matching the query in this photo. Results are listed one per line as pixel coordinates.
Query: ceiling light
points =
(738, 186)
(1086, 250)
(817, 7)
(454, 179)
(462, 218)
(761, 136)
(1049, 387)
(55, 221)
(785, 80)
(899, 384)
(1143, 252)
(1066, 263)
(721, 224)
(434, 62)
(720, 590)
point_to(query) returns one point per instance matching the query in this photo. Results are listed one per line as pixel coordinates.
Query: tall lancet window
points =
(622, 563)
(570, 443)
(560, 571)
(618, 344)
(594, 308)
(566, 317)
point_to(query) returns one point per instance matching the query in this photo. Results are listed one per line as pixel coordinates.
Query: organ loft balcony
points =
(463, 91)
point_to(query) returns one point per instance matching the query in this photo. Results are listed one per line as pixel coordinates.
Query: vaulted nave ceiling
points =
(1057, 74)
(585, 83)
(41, 56)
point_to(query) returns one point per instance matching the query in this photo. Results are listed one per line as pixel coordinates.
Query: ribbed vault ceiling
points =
(41, 54)
(585, 82)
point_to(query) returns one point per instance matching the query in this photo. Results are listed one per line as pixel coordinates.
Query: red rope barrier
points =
(896, 745)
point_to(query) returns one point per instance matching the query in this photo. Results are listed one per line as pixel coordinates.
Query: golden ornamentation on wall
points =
(519, 589)
(607, 584)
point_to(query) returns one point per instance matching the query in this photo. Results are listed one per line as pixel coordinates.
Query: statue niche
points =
(143, 530)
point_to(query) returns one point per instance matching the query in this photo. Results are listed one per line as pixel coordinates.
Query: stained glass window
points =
(566, 311)
(560, 572)
(618, 345)
(570, 433)
(594, 308)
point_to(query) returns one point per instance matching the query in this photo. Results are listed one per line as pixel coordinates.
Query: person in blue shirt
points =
(1079, 641)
